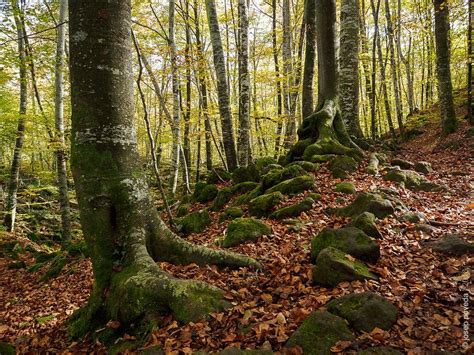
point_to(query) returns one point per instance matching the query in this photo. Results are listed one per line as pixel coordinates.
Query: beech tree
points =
(122, 229)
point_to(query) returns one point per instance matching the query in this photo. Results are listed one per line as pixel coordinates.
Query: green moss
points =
(319, 333)
(222, 198)
(218, 175)
(306, 165)
(293, 210)
(243, 187)
(322, 158)
(262, 163)
(333, 267)
(264, 204)
(373, 166)
(35, 267)
(341, 165)
(294, 186)
(291, 171)
(423, 167)
(231, 213)
(272, 178)
(183, 209)
(244, 229)
(205, 192)
(77, 249)
(404, 164)
(7, 349)
(367, 202)
(345, 188)
(366, 223)
(17, 265)
(297, 150)
(350, 240)
(237, 351)
(194, 222)
(247, 173)
(244, 199)
(365, 311)
(412, 180)
(57, 265)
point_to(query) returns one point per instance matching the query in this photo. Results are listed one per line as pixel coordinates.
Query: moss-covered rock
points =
(271, 167)
(243, 187)
(237, 351)
(262, 163)
(345, 187)
(243, 230)
(294, 186)
(306, 165)
(56, 266)
(271, 178)
(205, 192)
(350, 240)
(194, 222)
(276, 176)
(334, 266)
(322, 158)
(246, 173)
(373, 166)
(367, 202)
(366, 223)
(218, 175)
(291, 171)
(412, 180)
(231, 213)
(341, 165)
(293, 210)
(365, 311)
(423, 167)
(247, 197)
(404, 164)
(379, 350)
(413, 217)
(264, 204)
(452, 244)
(319, 333)
(7, 349)
(222, 198)
(17, 265)
(183, 209)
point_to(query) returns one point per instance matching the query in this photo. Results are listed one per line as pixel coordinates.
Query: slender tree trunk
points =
(383, 84)
(121, 226)
(187, 113)
(243, 143)
(277, 79)
(373, 96)
(222, 86)
(365, 64)
(349, 66)
(309, 59)
(59, 119)
(470, 79)
(443, 66)
(13, 184)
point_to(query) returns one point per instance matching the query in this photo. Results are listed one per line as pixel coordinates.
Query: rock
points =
(366, 223)
(272, 178)
(218, 175)
(183, 209)
(231, 213)
(222, 198)
(379, 350)
(345, 188)
(315, 196)
(271, 167)
(245, 198)
(322, 158)
(306, 165)
(412, 180)
(243, 187)
(425, 228)
(365, 311)
(243, 230)
(373, 166)
(341, 165)
(412, 217)
(246, 173)
(350, 240)
(334, 266)
(367, 202)
(404, 164)
(205, 192)
(319, 333)
(262, 163)
(7, 349)
(293, 210)
(264, 204)
(17, 265)
(237, 351)
(276, 176)
(423, 167)
(294, 186)
(452, 244)
(194, 222)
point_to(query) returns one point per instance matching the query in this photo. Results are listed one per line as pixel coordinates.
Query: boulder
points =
(367, 202)
(264, 204)
(365, 311)
(423, 167)
(404, 164)
(452, 244)
(412, 217)
(366, 223)
(341, 165)
(194, 222)
(345, 188)
(293, 210)
(246, 173)
(322, 158)
(183, 209)
(243, 187)
(243, 230)
(262, 163)
(276, 176)
(205, 192)
(222, 198)
(412, 180)
(334, 266)
(306, 165)
(247, 197)
(350, 240)
(231, 213)
(294, 186)
(319, 333)
(218, 175)
(373, 166)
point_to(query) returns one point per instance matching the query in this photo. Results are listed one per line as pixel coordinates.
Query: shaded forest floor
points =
(427, 287)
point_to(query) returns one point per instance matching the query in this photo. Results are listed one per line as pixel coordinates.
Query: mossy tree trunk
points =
(123, 231)
(324, 132)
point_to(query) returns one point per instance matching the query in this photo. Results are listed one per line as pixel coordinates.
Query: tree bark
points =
(443, 66)
(222, 86)
(277, 79)
(309, 59)
(122, 229)
(470, 64)
(383, 84)
(373, 94)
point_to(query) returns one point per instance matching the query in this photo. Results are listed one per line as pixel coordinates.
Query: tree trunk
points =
(349, 66)
(443, 66)
(59, 118)
(309, 59)
(373, 94)
(383, 84)
(13, 184)
(470, 64)
(243, 143)
(277, 79)
(222, 86)
(122, 229)
(187, 113)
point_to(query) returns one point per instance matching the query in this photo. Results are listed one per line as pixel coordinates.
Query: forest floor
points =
(268, 306)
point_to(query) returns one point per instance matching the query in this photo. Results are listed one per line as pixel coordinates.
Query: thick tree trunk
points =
(59, 119)
(222, 86)
(349, 66)
(443, 66)
(243, 143)
(307, 103)
(13, 184)
(121, 226)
